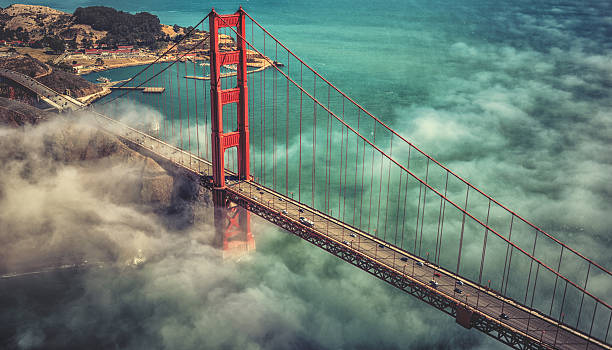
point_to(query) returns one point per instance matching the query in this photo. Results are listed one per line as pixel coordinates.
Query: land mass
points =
(98, 38)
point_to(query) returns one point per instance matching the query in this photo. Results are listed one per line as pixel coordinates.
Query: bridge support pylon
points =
(237, 138)
(232, 223)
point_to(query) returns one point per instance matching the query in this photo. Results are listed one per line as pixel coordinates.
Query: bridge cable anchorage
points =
(384, 155)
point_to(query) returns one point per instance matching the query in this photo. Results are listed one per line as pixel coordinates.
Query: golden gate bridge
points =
(267, 134)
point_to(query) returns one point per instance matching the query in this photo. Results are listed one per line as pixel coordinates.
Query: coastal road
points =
(53, 98)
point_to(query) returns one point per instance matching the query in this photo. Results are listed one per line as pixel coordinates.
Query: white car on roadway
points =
(306, 222)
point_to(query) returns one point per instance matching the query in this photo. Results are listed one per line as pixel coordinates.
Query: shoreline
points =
(121, 65)
(106, 87)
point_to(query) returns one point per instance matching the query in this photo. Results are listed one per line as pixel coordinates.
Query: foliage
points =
(123, 28)
(17, 34)
(54, 43)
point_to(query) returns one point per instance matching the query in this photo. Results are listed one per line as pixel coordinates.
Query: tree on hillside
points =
(86, 43)
(55, 44)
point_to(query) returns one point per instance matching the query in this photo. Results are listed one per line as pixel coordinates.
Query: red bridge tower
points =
(233, 223)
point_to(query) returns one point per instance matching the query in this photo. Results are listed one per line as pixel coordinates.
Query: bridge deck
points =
(524, 328)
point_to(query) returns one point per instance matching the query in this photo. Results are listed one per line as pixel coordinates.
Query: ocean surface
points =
(515, 97)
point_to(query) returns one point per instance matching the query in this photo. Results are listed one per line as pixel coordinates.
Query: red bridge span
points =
(269, 135)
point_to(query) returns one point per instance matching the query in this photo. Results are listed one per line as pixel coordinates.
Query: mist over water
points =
(513, 97)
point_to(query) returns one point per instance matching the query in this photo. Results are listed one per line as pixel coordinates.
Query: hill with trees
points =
(121, 28)
(41, 26)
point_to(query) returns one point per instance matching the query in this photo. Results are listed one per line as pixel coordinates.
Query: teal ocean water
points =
(515, 97)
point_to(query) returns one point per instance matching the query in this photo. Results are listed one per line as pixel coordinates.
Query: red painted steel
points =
(230, 20)
(231, 57)
(231, 139)
(244, 167)
(230, 96)
(216, 108)
(240, 139)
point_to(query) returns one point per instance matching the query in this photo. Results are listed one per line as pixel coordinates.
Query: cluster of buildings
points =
(121, 51)
(15, 43)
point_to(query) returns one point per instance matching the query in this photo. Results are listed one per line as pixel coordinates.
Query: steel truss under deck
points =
(494, 328)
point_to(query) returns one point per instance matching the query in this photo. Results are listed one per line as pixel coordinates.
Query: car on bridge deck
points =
(306, 222)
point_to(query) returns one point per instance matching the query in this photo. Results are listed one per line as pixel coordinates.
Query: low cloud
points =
(58, 209)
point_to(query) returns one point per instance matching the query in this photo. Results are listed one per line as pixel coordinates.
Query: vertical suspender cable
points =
(388, 189)
(274, 117)
(341, 161)
(372, 181)
(424, 204)
(531, 266)
(356, 164)
(314, 141)
(188, 126)
(506, 275)
(405, 198)
(287, 132)
(345, 176)
(180, 114)
(195, 101)
(326, 190)
(206, 130)
(171, 105)
(300, 162)
(399, 196)
(441, 223)
(484, 245)
(263, 101)
(552, 300)
(467, 192)
(362, 183)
